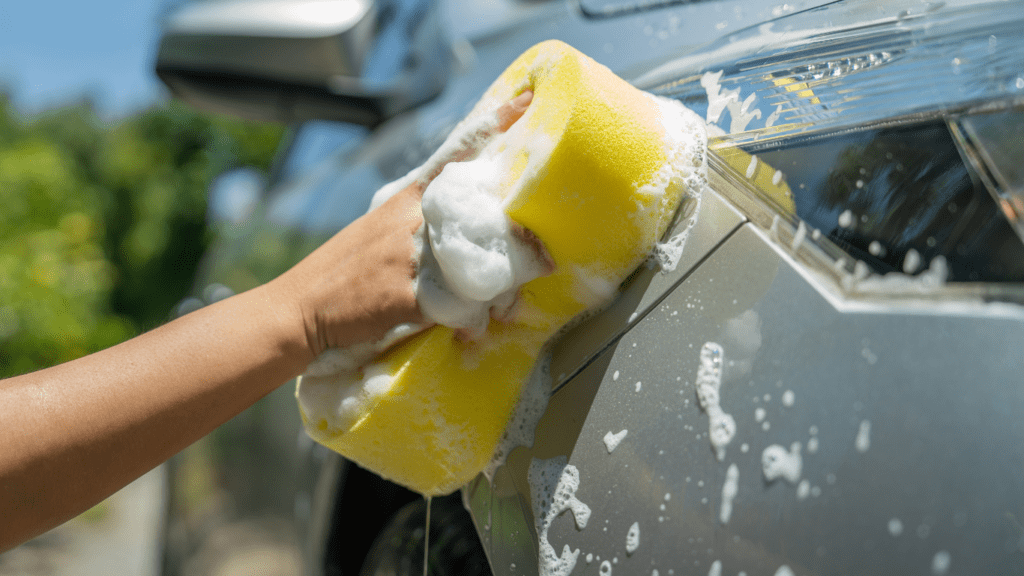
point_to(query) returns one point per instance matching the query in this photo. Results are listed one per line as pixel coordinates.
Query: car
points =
(849, 286)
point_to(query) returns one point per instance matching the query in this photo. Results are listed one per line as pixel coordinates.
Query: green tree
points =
(102, 225)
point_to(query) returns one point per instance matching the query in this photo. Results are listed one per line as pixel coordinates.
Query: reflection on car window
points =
(893, 197)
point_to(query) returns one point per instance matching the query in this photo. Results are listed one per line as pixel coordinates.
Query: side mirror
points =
(358, 61)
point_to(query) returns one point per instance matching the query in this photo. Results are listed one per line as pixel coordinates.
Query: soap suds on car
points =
(612, 440)
(721, 426)
(553, 486)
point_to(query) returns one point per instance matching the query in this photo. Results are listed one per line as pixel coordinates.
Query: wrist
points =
(294, 336)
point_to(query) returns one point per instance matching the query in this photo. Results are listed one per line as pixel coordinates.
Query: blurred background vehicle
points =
(853, 275)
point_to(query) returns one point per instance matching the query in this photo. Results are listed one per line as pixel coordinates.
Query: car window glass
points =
(993, 142)
(895, 198)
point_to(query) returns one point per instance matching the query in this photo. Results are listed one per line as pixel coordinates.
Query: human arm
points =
(75, 433)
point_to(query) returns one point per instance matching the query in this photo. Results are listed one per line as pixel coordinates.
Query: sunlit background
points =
(53, 53)
(103, 186)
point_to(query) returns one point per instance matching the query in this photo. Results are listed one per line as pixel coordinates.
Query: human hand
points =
(359, 284)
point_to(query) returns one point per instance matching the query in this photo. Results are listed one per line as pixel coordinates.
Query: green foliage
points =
(102, 225)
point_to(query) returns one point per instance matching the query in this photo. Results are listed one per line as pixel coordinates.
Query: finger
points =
(532, 241)
(466, 145)
(513, 110)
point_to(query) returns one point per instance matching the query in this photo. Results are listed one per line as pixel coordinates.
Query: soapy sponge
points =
(595, 170)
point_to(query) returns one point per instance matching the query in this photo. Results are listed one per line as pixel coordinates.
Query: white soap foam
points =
(612, 441)
(615, 376)
(941, 562)
(605, 569)
(784, 571)
(799, 236)
(812, 446)
(788, 398)
(480, 259)
(773, 231)
(637, 386)
(333, 392)
(471, 257)
(553, 486)
(895, 527)
(721, 426)
(337, 360)
(863, 441)
(590, 558)
(742, 114)
(633, 538)
(846, 219)
(929, 281)
(333, 406)
(803, 490)
(729, 490)
(911, 261)
(716, 568)
(759, 414)
(686, 150)
(717, 99)
(777, 463)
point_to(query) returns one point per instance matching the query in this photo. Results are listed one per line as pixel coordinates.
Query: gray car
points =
(849, 292)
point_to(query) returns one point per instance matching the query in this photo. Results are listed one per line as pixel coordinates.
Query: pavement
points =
(122, 535)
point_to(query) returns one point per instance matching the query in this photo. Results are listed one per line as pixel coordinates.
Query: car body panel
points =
(939, 385)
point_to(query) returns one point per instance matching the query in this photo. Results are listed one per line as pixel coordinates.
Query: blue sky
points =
(54, 52)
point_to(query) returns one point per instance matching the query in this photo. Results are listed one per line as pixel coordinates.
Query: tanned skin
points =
(75, 433)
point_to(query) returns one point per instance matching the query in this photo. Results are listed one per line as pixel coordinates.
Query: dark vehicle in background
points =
(851, 285)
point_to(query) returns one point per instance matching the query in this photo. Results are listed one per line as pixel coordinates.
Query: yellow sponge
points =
(596, 177)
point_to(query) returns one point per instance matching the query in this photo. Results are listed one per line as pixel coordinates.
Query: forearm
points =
(77, 432)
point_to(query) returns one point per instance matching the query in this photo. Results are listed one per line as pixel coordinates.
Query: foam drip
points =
(612, 440)
(553, 486)
(633, 538)
(721, 426)
(777, 463)
(729, 490)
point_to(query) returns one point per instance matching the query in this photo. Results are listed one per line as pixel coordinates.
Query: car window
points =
(898, 197)
(993, 143)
